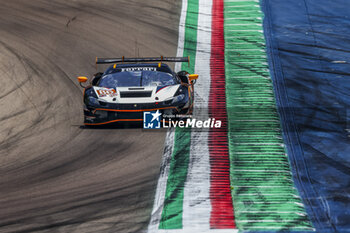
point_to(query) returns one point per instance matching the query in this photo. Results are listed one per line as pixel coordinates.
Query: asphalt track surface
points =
(55, 175)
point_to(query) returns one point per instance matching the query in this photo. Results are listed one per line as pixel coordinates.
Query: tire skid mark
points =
(56, 176)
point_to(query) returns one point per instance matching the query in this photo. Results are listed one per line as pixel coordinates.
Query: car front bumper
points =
(124, 113)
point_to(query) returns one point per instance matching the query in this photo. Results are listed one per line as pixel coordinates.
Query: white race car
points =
(132, 86)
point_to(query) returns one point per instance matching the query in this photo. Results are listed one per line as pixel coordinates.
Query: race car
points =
(132, 86)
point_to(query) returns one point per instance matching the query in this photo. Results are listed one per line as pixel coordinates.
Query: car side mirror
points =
(82, 79)
(193, 78)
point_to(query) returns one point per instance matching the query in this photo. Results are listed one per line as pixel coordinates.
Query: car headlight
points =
(90, 92)
(93, 101)
(179, 91)
(90, 98)
(178, 98)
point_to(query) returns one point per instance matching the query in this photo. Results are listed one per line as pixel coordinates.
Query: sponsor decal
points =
(103, 92)
(138, 69)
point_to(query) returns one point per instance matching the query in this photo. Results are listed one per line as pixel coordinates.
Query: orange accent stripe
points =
(108, 122)
(132, 110)
(118, 120)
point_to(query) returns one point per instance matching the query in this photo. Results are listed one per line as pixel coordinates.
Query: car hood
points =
(127, 95)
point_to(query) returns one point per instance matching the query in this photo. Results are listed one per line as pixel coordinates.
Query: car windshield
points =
(136, 79)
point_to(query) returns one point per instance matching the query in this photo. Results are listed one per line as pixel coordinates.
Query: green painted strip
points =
(263, 193)
(173, 204)
(190, 45)
(172, 210)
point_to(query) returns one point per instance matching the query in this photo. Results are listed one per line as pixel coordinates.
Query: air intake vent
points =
(135, 94)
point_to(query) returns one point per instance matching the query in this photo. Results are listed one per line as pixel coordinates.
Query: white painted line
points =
(339, 62)
(197, 204)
